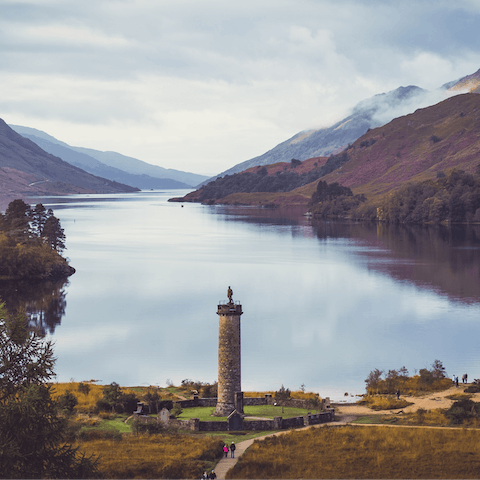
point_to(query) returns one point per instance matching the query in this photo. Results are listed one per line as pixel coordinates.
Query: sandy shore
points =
(427, 402)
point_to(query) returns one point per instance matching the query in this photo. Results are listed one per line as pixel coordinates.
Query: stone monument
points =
(229, 358)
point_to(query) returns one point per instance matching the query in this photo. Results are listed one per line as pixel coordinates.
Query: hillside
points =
(370, 113)
(415, 147)
(470, 84)
(26, 169)
(112, 165)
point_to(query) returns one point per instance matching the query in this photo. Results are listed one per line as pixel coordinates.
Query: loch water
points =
(324, 302)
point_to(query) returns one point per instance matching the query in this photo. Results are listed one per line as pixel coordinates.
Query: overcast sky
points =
(201, 85)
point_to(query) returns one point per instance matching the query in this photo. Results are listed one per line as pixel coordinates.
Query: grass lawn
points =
(204, 414)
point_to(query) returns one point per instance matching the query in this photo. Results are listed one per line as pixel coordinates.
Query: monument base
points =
(224, 409)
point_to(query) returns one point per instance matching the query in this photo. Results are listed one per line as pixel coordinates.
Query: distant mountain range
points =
(411, 148)
(112, 165)
(26, 169)
(370, 113)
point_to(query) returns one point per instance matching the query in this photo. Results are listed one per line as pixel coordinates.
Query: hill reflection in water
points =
(440, 258)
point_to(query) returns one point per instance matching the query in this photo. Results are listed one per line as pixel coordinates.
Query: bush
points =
(383, 403)
(149, 427)
(67, 402)
(463, 411)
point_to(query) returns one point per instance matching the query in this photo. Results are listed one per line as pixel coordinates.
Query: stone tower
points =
(229, 357)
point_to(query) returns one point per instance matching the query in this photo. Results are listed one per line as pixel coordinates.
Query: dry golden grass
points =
(383, 403)
(155, 456)
(297, 394)
(364, 452)
(434, 417)
(87, 403)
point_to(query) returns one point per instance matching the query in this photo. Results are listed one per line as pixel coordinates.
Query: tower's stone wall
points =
(229, 357)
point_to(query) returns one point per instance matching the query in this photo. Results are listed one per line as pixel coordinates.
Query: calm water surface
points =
(324, 303)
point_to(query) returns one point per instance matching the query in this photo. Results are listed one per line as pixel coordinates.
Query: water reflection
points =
(440, 258)
(443, 259)
(44, 302)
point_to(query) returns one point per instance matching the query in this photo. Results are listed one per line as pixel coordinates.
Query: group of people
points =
(232, 450)
(211, 475)
(464, 379)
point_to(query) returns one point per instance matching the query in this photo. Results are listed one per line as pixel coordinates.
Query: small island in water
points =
(31, 243)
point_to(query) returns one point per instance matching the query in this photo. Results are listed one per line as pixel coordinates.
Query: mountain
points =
(26, 169)
(470, 83)
(411, 148)
(112, 165)
(370, 113)
(414, 148)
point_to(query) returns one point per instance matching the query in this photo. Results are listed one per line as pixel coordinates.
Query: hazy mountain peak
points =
(470, 83)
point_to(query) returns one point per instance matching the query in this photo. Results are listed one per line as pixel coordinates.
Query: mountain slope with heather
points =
(412, 148)
(370, 113)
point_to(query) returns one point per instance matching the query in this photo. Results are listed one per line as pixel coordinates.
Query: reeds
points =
(364, 452)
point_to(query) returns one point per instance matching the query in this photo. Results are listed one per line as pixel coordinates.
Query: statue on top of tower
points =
(230, 295)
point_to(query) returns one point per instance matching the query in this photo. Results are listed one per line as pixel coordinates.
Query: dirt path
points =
(225, 464)
(427, 402)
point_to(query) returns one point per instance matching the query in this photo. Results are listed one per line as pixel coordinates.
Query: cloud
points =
(201, 86)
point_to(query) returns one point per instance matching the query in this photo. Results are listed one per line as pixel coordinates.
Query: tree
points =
(39, 217)
(373, 379)
(16, 220)
(67, 402)
(282, 394)
(53, 234)
(438, 370)
(31, 431)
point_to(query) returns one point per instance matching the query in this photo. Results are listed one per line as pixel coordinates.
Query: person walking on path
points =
(232, 450)
(225, 450)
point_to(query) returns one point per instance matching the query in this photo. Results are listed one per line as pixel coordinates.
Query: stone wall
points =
(277, 423)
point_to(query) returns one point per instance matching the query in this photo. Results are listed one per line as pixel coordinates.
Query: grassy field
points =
(154, 456)
(264, 411)
(364, 452)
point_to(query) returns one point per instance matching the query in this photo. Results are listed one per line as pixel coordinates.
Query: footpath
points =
(225, 464)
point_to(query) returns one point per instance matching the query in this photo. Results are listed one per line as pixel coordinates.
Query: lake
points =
(324, 302)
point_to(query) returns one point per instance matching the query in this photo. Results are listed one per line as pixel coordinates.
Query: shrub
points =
(462, 411)
(67, 402)
(383, 403)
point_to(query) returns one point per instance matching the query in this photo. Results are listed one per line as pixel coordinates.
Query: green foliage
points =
(282, 394)
(333, 200)
(115, 400)
(176, 410)
(259, 181)
(454, 198)
(67, 402)
(31, 432)
(30, 244)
